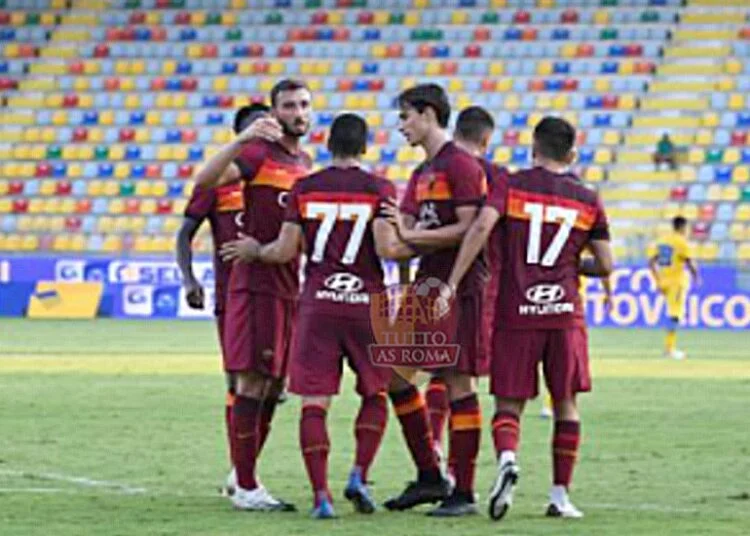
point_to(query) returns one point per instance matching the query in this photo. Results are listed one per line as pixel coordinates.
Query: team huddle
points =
(507, 250)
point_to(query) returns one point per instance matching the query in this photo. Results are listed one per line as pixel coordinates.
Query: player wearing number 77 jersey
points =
(546, 219)
(335, 215)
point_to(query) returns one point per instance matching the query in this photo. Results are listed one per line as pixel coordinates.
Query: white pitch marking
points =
(80, 481)
(645, 507)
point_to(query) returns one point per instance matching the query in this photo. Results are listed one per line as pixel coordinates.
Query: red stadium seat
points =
(126, 135)
(377, 84)
(182, 17)
(739, 138)
(394, 51)
(522, 17)
(610, 101)
(63, 187)
(365, 17)
(449, 68)
(101, 50)
(83, 206)
(113, 34)
(707, 212)
(529, 34)
(164, 206)
(511, 137)
(261, 67)
(226, 101)
(132, 206)
(382, 137)
(482, 34)
(20, 206)
(745, 33)
(701, 230)
(286, 50)
(158, 33)
(43, 169)
(8, 84)
(209, 51)
(584, 50)
(27, 51)
(158, 84)
(317, 136)
(185, 171)
(488, 84)
(341, 34)
(76, 67)
(644, 67)
(319, 17)
(137, 17)
(294, 34)
(536, 85)
(15, 188)
(635, 49)
(73, 223)
(80, 134)
(570, 84)
(425, 51)
(4, 17)
(569, 16)
(112, 84)
(473, 51)
(189, 84)
(189, 136)
(70, 101)
(153, 171)
(255, 50)
(679, 193)
(345, 84)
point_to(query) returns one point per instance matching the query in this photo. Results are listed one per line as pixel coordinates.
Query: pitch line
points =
(77, 480)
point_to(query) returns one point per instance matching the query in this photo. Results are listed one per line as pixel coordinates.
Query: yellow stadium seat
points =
(353, 67)
(228, 18)
(143, 135)
(335, 18)
(171, 225)
(502, 155)
(266, 84)
(148, 206)
(222, 136)
(184, 118)
(725, 84)
(378, 51)
(455, 85)
(512, 102)
(714, 192)
(433, 68)
(38, 84)
(374, 119)
(159, 189)
(5, 205)
(11, 134)
(320, 101)
(611, 137)
(733, 66)
(22, 152)
(737, 231)
(525, 137)
(47, 187)
(731, 155)
(736, 101)
(106, 117)
(740, 174)
(276, 68)
(142, 189)
(116, 152)
(180, 153)
(602, 84)
(497, 68)
(730, 193)
(560, 102)
(626, 68)
(61, 52)
(3, 187)
(142, 244)
(713, 17)
(153, 118)
(112, 244)
(504, 85)
(602, 156)
(704, 137)
(543, 102)
(122, 171)
(459, 17)
(742, 213)
(95, 188)
(421, 4)
(198, 18)
(601, 17)
(593, 174)
(25, 224)
(569, 50)
(498, 3)
(116, 206)
(411, 18)
(221, 83)
(60, 118)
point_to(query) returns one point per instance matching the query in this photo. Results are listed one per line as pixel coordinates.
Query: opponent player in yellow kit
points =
(668, 258)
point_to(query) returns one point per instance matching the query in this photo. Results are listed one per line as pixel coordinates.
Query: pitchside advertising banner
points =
(53, 287)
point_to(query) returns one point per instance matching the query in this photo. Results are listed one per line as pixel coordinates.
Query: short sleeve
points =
(386, 190)
(600, 229)
(292, 212)
(686, 251)
(467, 181)
(251, 159)
(201, 203)
(498, 198)
(409, 204)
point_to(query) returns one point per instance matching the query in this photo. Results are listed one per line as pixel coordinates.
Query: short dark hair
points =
(473, 122)
(247, 114)
(348, 136)
(428, 96)
(554, 138)
(287, 84)
(679, 223)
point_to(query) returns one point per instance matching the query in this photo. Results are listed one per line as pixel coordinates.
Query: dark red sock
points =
(506, 429)
(412, 414)
(437, 407)
(245, 421)
(228, 422)
(313, 440)
(266, 416)
(465, 433)
(369, 429)
(567, 436)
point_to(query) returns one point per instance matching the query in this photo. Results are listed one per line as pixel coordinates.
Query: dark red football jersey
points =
(454, 178)
(497, 177)
(223, 208)
(336, 208)
(269, 171)
(548, 220)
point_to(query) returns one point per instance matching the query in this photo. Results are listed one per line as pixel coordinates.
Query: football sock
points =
(465, 433)
(565, 442)
(368, 431)
(266, 416)
(245, 425)
(670, 341)
(412, 414)
(314, 443)
(437, 407)
(229, 403)
(506, 429)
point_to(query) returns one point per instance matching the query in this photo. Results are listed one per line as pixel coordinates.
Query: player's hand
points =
(244, 249)
(194, 294)
(393, 215)
(441, 306)
(264, 128)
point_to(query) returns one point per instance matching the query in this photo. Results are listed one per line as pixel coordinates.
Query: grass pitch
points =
(116, 428)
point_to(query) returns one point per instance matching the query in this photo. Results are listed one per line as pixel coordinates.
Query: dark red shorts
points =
(257, 333)
(469, 333)
(516, 356)
(220, 316)
(318, 350)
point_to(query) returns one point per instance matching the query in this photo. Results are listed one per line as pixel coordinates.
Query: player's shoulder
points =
(452, 155)
(539, 180)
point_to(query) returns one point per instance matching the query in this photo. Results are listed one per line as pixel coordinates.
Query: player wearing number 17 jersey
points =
(335, 216)
(548, 219)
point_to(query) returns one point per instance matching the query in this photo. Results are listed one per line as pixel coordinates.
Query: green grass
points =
(660, 456)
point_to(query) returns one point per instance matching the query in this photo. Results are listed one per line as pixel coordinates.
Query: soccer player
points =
(548, 219)
(443, 195)
(668, 258)
(473, 133)
(261, 298)
(222, 207)
(335, 215)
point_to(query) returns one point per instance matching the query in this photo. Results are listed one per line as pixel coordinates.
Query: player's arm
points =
(693, 269)
(653, 264)
(221, 168)
(601, 262)
(286, 246)
(442, 237)
(473, 242)
(193, 289)
(388, 245)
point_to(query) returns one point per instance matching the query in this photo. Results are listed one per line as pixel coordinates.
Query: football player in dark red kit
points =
(261, 298)
(546, 218)
(473, 133)
(442, 199)
(223, 208)
(335, 216)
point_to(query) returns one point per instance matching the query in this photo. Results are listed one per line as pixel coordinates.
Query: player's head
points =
(554, 139)
(247, 114)
(474, 126)
(291, 105)
(348, 136)
(422, 109)
(679, 224)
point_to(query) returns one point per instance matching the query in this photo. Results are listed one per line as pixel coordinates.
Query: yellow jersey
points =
(671, 252)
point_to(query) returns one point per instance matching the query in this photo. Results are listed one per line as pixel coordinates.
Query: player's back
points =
(671, 251)
(336, 208)
(549, 220)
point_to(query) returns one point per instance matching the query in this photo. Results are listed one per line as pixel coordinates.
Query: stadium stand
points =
(107, 106)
